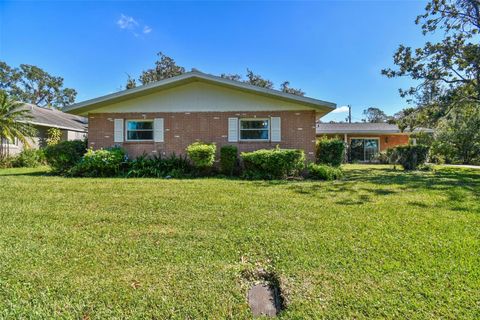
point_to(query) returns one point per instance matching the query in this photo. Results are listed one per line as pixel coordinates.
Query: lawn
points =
(378, 244)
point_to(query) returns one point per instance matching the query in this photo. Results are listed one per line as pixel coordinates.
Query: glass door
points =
(371, 149)
(362, 149)
(356, 150)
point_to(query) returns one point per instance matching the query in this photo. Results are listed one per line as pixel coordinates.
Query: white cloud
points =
(147, 29)
(126, 22)
(341, 110)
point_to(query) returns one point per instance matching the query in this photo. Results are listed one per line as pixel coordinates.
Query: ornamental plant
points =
(202, 154)
(330, 151)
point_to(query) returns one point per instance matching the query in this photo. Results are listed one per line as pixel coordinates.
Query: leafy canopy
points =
(447, 64)
(32, 84)
(166, 67)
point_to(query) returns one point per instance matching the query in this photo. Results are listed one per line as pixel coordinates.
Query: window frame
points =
(254, 119)
(139, 120)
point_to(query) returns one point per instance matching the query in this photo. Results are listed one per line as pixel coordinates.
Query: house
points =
(365, 140)
(71, 126)
(164, 117)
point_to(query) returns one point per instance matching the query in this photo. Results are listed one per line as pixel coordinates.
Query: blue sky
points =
(333, 50)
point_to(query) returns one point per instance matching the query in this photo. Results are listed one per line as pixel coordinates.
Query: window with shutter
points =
(118, 130)
(276, 129)
(232, 129)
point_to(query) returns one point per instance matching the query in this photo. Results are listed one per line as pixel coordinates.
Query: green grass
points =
(379, 244)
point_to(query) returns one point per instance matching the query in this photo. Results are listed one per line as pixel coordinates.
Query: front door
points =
(363, 149)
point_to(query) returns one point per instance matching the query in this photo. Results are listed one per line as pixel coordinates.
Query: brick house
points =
(366, 140)
(166, 116)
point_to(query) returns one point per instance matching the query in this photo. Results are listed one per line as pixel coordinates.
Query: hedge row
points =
(70, 158)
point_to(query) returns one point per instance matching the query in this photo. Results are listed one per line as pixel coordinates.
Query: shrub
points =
(409, 156)
(100, 163)
(158, 167)
(324, 172)
(6, 162)
(228, 159)
(202, 154)
(273, 164)
(54, 135)
(62, 156)
(382, 157)
(330, 151)
(29, 158)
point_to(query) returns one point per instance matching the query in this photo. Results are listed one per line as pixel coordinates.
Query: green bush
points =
(6, 162)
(324, 172)
(382, 157)
(158, 167)
(202, 154)
(409, 156)
(330, 151)
(29, 158)
(228, 159)
(62, 156)
(100, 163)
(273, 164)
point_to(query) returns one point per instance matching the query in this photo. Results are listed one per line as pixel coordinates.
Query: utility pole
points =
(349, 114)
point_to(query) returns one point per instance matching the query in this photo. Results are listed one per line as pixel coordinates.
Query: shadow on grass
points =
(358, 182)
(27, 174)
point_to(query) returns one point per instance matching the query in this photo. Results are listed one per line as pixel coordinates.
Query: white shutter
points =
(158, 130)
(118, 130)
(276, 134)
(232, 129)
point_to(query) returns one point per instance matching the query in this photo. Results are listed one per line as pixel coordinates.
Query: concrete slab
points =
(261, 299)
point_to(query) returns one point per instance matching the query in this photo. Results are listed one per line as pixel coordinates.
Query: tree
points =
(165, 67)
(231, 76)
(452, 62)
(373, 114)
(12, 123)
(31, 84)
(457, 137)
(285, 87)
(257, 80)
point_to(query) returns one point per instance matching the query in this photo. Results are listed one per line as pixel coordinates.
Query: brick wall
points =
(184, 128)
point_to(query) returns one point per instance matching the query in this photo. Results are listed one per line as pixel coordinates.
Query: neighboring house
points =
(366, 140)
(166, 116)
(72, 127)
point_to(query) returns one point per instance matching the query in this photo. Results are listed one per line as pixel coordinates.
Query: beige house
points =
(166, 116)
(72, 128)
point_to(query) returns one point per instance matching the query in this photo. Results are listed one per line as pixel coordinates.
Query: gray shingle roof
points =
(362, 127)
(57, 119)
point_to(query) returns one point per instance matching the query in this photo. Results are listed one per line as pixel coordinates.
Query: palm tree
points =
(13, 125)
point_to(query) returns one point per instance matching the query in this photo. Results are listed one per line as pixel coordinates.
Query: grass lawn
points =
(379, 244)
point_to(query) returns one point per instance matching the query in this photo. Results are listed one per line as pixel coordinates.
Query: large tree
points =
(373, 114)
(31, 84)
(258, 80)
(165, 67)
(447, 64)
(457, 137)
(13, 123)
(285, 87)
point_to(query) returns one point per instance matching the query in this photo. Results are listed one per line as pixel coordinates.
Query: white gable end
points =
(200, 97)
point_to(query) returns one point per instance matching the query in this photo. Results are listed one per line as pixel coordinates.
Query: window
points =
(139, 130)
(254, 129)
(13, 142)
